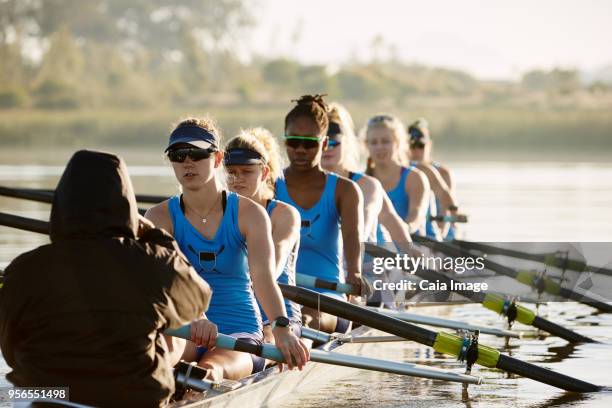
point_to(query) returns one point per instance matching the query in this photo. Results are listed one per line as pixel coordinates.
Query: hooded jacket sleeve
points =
(188, 294)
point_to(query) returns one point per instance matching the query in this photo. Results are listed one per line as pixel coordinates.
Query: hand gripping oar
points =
(35, 194)
(511, 309)
(327, 357)
(550, 259)
(527, 278)
(441, 342)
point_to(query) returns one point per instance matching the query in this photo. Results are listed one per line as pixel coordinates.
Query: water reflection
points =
(515, 201)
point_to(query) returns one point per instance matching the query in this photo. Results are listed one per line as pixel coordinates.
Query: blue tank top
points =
(287, 276)
(400, 200)
(223, 263)
(355, 176)
(320, 253)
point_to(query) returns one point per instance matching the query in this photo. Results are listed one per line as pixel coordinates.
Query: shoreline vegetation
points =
(461, 130)
(118, 76)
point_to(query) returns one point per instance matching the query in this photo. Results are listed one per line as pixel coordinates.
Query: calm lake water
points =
(508, 200)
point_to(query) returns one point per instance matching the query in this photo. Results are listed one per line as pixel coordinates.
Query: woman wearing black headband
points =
(214, 228)
(252, 161)
(440, 178)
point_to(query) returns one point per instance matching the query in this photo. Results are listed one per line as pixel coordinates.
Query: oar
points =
(549, 259)
(271, 352)
(36, 192)
(459, 218)
(312, 282)
(322, 337)
(492, 301)
(445, 343)
(526, 277)
(23, 223)
(36, 195)
(446, 323)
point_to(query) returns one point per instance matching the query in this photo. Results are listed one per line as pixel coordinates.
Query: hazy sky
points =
(489, 38)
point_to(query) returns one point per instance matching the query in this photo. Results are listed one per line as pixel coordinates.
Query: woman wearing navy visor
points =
(341, 157)
(330, 208)
(213, 229)
(252, 161)
(440, 178)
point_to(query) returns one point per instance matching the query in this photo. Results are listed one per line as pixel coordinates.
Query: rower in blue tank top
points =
(223, 263)
(440, 179)
(330, 207)
(399, 199)
(320, 241)
(213, 229)
(286, 276)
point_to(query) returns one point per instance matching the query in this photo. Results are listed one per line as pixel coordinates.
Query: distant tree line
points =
(143, 53)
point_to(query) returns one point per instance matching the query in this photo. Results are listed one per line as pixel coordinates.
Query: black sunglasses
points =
(308, 142)
(195, 154)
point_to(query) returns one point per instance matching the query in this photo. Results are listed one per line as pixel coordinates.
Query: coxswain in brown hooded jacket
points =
(87, 311)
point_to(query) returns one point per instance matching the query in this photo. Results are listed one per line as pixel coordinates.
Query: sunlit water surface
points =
(506, 201)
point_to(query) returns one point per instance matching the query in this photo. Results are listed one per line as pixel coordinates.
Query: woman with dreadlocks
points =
(330, 206)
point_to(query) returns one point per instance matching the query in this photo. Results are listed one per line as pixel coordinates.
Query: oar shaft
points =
(23, 223)
(441, 342)
(451, 250)
(41, 196)
(36, 193)
(318, 356)
(447, 323)
(489, 300)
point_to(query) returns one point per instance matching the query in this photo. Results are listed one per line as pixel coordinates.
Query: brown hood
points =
(94, 199)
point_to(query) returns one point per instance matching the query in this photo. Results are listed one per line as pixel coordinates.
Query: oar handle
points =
(314, 282)
(459, 218)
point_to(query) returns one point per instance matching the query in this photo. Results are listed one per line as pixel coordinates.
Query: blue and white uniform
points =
(223, 263)
(287, 276)
(355, 176)
(320, 253)
(400, 200)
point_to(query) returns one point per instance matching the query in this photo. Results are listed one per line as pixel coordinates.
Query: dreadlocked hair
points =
(312, 107)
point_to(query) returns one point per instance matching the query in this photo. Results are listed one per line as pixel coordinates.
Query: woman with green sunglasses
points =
(330, 207)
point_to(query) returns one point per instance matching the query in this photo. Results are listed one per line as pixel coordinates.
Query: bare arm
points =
(285, 233)
(255, 225)
(417, 188)
(372, 203)
(350, 208)
(439, 187)
(448, 178)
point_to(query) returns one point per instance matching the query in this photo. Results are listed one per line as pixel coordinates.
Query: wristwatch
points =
(280, 321)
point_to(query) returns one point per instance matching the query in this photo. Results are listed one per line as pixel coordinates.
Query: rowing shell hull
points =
(262, 388)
